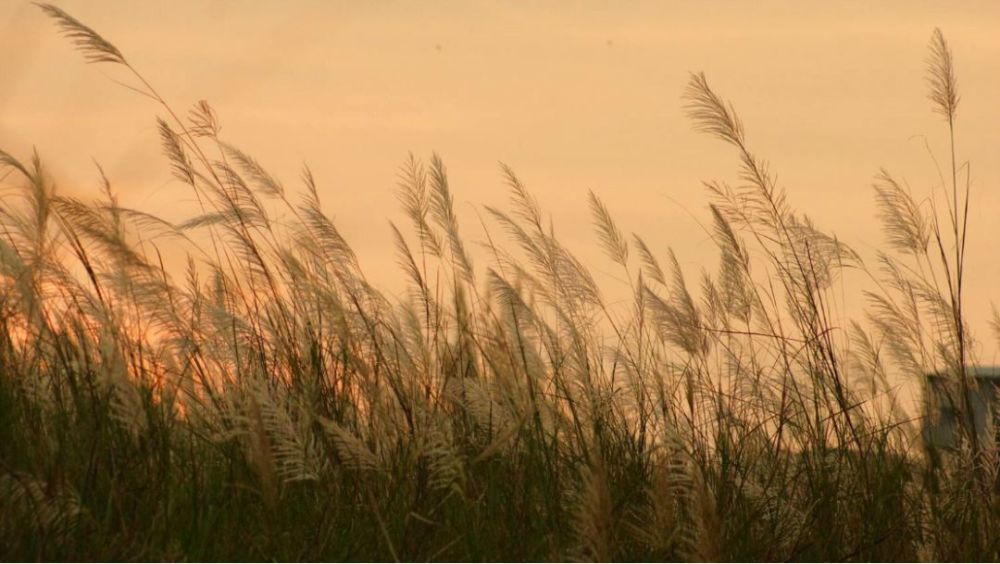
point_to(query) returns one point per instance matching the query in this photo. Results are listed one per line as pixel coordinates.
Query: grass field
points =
(268, 402)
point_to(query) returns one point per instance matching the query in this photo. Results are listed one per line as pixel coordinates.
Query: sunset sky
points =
(573, 96)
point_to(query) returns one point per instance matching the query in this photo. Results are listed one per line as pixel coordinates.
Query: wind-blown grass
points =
(269, 402)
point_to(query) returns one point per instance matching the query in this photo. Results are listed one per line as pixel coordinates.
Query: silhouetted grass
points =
(269, 402)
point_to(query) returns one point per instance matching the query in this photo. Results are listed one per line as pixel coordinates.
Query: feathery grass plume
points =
(95, 48)
(536, 251)
(941, 77)
(409, 264)
(678, 317)
(476, 400)
(323, 230)
(442, 207)
(760, 205)
(567, 279)
(817, 256)
(509, 296)
(734, 279)
(904, 222)
(291, 446)
(151, 227)
(6, 159)
(204, 121)
(252, 169)
(445, 468)
(351, 451)
(414, 196)
(573, 278)
(205, 220)
(525, 205)
(235, 196)
(29, 231)
(612, 238)
(871, 372)
(594, 522)
(124, 398)
(104, 229)
(180, 164)
(710, 113)
(655, 524)
(650, 265)
(709, 540)
(667, 520)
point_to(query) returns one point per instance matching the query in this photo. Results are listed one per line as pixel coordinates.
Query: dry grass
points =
(269, 402)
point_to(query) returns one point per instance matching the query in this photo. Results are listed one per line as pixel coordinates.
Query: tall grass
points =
(269, 402)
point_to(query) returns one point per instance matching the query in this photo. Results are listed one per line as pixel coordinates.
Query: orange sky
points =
(575, 96)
